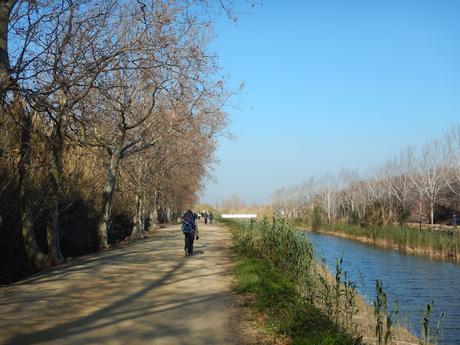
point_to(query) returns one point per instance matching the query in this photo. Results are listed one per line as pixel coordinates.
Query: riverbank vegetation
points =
(434, 243)
(305, 303)
(411, 201)
(104, 108)
(276, 265)
(286, 312)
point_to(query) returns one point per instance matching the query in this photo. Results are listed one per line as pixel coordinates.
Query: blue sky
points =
(332, 85)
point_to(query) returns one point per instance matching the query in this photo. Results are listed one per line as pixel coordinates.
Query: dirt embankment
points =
(364, 319)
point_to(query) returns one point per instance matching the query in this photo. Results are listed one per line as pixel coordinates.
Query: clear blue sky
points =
(333, 85)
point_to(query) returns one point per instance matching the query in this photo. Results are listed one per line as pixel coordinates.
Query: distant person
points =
(205, 216)
(190, 231)
(211, 217)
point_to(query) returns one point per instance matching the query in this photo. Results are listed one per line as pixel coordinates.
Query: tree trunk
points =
(33, 251)
(5, 77)
(52, 235)
(161, 210)
(142, 215)
(107, 195)
(420, 213)
(57, 142)
(168, 214)
(153, 219)
(160, 216)
(432, 212)
(27, 218)
(359, 214)
(138, 224)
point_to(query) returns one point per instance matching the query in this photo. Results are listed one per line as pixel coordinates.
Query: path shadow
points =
(142, 313)
(80, 325)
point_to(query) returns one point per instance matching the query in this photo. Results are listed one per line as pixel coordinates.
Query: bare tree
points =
(328, 196)
(452, 142)
(428, 176)
(6, 82)
(399, 182)
(87, 85)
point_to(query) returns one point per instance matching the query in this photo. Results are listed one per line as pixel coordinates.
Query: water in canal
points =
(413, 280)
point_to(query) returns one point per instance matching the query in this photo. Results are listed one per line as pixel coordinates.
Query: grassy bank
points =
(275, 265)
(433, 243)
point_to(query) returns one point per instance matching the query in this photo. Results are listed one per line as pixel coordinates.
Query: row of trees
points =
(418, 185)
(109, 116)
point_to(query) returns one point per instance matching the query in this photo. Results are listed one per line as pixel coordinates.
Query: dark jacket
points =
(189, 219)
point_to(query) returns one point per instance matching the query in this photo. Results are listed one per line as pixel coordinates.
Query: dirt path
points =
(145, 293)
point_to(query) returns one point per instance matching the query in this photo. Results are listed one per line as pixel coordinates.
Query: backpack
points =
(187, 228)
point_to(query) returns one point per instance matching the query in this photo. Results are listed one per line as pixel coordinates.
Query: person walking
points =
(190, 231)
(211, 217)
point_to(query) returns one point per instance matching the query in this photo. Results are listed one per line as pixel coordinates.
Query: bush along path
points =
(146, 292)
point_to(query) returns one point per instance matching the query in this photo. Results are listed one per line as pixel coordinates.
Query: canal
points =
(413, 280)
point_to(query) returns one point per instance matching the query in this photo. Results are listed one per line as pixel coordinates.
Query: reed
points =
(281, 244)
(426, 326)
(440, 243)
(288, 250)
(440, 330)
(383, 317)
(431, 334)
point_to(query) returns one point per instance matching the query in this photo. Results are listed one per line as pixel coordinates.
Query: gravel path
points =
(146, 292)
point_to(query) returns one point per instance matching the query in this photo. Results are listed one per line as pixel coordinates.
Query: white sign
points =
(239, 216)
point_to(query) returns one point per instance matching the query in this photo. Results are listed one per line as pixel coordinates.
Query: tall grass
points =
(383, 317)
(281, 244)
(445, 244)
(431, 334)
(287, 249)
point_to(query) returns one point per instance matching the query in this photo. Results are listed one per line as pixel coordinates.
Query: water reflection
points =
(413, 280)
